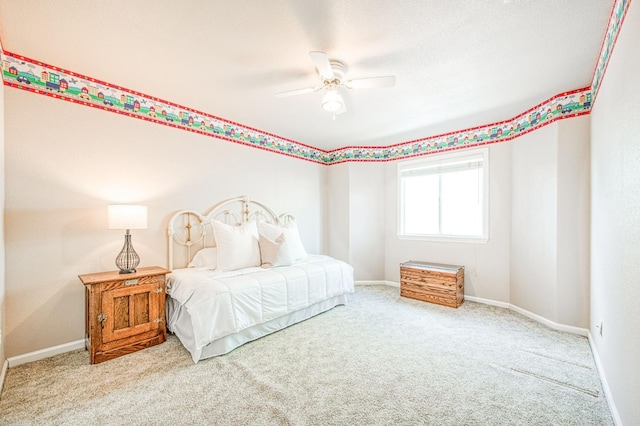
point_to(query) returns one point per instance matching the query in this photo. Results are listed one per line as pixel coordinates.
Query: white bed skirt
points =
(181, 327)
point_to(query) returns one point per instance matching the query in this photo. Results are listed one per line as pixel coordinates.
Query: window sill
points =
(444, 239)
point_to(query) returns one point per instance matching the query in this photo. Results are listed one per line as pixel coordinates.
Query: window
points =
(445, 196)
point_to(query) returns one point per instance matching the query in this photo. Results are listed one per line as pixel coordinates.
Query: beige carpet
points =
(381, 360)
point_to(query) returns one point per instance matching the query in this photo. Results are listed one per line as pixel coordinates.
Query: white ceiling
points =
(458, 63)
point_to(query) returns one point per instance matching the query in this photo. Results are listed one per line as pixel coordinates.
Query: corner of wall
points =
(2, 265)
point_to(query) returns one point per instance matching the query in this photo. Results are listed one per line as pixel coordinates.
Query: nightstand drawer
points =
(133, 282)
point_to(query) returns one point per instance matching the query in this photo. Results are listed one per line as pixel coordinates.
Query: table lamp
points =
(127, 217)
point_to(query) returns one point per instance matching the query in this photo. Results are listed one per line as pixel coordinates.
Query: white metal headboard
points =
(190, 231)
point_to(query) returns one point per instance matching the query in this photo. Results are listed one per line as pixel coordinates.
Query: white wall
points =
(550, 222)
(356, 217)
(65, 163)
(573, 222)
(338, 211)
(533, 221)
(366, 212)
(537, 256)
(615, 221)
(486, 264)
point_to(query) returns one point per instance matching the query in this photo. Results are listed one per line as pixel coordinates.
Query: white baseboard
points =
(79, 344)
(488, 301)
(381, 282)
(605, 385)
(3, 374)
(560, 327)
(45, 353)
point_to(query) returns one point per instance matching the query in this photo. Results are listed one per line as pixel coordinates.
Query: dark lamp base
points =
(128, 259)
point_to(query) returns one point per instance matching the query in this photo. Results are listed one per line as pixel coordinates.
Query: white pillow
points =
(237, 245)
(291, 236)
(274, 252)
(205, 258)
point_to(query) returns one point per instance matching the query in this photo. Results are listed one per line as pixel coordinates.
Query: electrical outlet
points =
(599, 327)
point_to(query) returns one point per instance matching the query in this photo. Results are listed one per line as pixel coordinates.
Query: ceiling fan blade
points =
(321, 60)
(297, 92)
(371, 82)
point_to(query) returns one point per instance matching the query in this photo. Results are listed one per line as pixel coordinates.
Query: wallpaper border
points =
(618, 13)
(40, 78)
(562, 106)
(37, 77)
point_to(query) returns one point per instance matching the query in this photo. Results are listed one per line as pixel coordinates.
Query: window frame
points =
(441, 160)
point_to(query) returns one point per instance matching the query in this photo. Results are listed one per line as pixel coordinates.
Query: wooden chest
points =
(432, 282)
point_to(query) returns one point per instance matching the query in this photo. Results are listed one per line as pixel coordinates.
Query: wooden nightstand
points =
(124, 313)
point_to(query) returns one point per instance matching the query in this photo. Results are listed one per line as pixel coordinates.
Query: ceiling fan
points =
(332, 74)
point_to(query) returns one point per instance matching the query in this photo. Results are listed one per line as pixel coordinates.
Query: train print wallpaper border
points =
(37, 77)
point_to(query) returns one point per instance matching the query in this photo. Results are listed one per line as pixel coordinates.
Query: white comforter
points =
(222, 303)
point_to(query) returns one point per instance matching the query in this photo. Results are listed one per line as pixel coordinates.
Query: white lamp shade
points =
(332, 100)
(127, 217)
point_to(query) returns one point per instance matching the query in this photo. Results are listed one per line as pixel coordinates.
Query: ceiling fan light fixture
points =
(332, 74)
(332, 100)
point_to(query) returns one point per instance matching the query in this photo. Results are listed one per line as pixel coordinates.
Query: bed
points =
(240, 272)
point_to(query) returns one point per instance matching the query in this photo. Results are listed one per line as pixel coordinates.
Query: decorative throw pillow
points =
(291, 236)
(205, 258)
(274, 252)
(237, 245)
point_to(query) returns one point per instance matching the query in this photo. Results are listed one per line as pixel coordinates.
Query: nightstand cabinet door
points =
(125, 313)
(131, 310)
